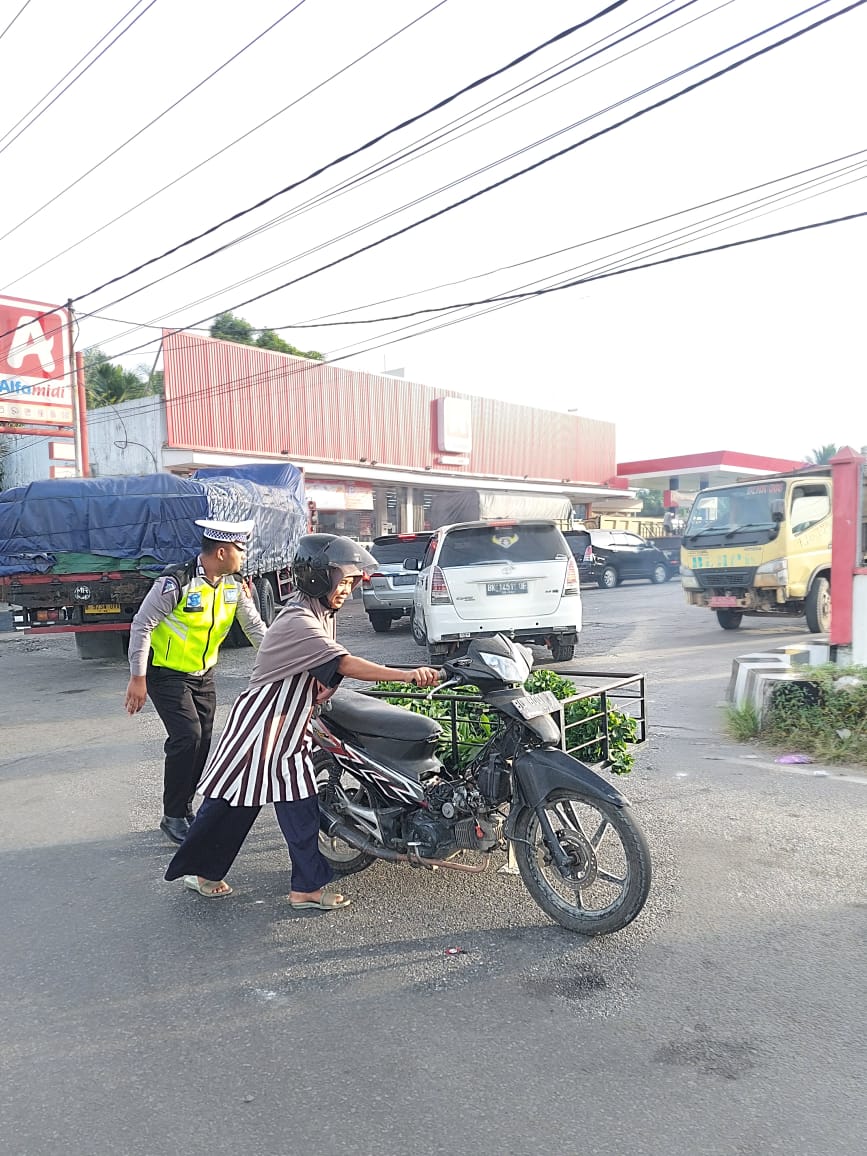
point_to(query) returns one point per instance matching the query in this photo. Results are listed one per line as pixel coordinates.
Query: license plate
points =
(103, 608)
(506, 588)
(534, 705)
(723, 600)
(405, 579)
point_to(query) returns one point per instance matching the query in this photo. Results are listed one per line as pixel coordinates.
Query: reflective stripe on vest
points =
(190, 638)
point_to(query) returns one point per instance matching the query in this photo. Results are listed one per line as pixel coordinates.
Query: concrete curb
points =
(755, 676)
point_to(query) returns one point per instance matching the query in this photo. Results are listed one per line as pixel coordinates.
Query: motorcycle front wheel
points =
(331, 781)
(607, 880)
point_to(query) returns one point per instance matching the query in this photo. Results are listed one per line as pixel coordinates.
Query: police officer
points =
(174, 642)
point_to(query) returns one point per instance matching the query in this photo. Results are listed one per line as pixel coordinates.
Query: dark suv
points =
(609, 557)
(387, 593)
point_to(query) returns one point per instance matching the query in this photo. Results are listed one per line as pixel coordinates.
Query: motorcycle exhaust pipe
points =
(366, 844)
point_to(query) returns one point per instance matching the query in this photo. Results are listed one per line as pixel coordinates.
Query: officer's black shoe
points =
(176, 829)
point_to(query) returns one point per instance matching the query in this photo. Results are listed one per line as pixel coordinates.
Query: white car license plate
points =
(506, 588)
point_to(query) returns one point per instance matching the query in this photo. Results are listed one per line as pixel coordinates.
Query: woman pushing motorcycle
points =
(264, 754)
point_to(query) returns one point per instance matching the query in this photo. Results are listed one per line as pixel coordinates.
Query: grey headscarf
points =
(300, 638)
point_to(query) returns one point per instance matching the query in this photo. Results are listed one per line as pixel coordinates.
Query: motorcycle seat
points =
(371, 716)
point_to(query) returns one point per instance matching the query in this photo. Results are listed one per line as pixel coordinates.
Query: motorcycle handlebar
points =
(442, 686)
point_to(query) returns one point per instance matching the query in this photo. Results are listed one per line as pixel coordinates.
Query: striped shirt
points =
(265, 751)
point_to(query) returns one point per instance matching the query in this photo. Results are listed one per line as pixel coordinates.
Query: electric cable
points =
(452, 184)
(223, 389)
(232, 386)
(663, 101)
(14, 18)
(133, 327)
(541, 256)
(338, 160)
(152, 122)
(231, 144)
(449, 133)
(76, 78)
(319, 198)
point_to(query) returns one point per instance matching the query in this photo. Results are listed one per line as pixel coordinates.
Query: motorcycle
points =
(385, 794)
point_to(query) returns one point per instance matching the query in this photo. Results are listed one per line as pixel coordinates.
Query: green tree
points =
(228, 327)
(108, 384)
(824, 454)
(651, 503)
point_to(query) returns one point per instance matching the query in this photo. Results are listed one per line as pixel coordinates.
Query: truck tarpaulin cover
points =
(150, 518)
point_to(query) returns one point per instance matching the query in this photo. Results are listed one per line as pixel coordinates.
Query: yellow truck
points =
(762, 547)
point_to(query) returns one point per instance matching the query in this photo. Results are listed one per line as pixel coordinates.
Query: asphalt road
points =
(728, 1020)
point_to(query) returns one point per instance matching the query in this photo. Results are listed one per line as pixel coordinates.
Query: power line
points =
(553, 156)
(423, 147)
(307, 322)
(312, 203)
(225, 148)
(346, 156)
(76, 78)
(231, 386)
(14, 18)
(687, 230)
(228, 387)
(151, 123)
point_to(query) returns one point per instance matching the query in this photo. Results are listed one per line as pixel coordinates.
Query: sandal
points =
(327, 902)
(210, 888)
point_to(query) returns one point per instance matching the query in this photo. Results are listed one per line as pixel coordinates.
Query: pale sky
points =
(757, 349)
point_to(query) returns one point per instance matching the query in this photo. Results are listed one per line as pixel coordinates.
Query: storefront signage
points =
(454, 425)
(34, 363)
(339, 495)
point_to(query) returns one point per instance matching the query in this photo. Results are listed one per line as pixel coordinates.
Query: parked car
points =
(387, 593)
(609, 557)
(498, 577)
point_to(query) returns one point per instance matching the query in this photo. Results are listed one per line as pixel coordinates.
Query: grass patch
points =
(823, 715)
(742, 722)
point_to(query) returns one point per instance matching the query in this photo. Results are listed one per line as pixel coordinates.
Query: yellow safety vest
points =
(190, 638)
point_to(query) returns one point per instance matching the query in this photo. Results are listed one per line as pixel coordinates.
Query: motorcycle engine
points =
(448, 824)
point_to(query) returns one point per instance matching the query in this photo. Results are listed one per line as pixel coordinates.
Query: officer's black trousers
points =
(186, 703)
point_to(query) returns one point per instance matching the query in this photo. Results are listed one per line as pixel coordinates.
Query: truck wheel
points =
(380, 621)
(818, 606)
(729, 619)
(609, 578)
(267, 601)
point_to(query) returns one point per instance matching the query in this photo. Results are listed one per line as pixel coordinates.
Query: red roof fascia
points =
(688, 462)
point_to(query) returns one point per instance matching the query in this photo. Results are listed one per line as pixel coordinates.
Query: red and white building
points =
(374, 448)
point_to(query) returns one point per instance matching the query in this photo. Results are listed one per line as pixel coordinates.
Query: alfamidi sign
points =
(35, 386)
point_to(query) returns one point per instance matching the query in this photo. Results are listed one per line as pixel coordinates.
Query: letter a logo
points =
(30, 341)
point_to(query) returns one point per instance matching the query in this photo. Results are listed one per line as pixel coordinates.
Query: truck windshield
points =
(741, 514)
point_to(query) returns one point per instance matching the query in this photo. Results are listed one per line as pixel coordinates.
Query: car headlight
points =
(688, 579)
(779, 568)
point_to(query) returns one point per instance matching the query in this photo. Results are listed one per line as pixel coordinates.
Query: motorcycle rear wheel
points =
(343, 858)
(609, 880)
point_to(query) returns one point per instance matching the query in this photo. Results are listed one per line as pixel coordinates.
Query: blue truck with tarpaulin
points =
(78, 555)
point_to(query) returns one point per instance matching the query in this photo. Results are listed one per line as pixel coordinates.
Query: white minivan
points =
(516, 578)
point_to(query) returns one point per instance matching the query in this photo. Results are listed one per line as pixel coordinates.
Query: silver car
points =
(387, 593)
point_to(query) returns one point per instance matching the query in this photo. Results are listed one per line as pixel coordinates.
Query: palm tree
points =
(821, 456)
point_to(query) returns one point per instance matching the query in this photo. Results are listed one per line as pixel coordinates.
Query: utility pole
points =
(77, 416)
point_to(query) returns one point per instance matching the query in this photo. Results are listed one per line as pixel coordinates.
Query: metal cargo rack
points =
(621, 692)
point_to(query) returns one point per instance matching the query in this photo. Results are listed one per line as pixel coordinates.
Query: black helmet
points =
(318, 553)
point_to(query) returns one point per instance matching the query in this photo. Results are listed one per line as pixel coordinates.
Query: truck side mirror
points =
(778, 510)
